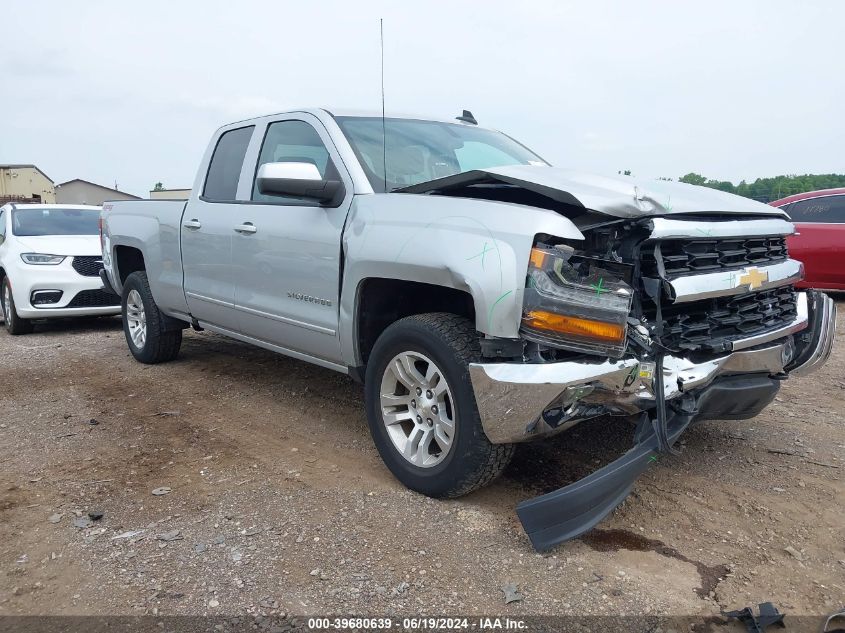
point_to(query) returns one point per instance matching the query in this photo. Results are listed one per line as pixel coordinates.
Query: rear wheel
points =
(14, 324)
(143, 323)
(421, 408)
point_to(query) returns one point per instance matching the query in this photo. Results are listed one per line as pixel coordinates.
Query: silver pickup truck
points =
(482, 296)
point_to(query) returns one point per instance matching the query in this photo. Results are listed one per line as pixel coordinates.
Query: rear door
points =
(207, 233)
(287, 262)
(820, 242)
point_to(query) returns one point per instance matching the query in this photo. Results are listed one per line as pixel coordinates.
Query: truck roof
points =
(350, 112)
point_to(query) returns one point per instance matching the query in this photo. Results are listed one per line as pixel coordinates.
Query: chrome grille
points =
(710, 268)
(705, 324)
(691, 256)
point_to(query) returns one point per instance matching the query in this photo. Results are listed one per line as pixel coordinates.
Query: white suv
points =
(50, 263)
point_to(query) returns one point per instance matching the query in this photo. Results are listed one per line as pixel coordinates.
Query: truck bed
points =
(153, 227)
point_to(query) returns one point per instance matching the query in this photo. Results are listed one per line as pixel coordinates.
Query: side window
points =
(829, 209)
(221, 182)
(2, 223)
(292, 142)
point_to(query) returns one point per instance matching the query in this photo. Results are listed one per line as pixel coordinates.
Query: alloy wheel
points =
(418, 409)
(136, 319)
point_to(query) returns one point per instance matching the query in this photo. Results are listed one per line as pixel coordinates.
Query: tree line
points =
(769, 189)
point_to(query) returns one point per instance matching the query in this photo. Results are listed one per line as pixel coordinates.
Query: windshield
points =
(53, 221)
(418, 151)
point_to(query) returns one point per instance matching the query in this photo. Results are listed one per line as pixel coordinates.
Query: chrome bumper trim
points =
(823, 340)
(667, 229)
(681, 375)
(511, 397)
(730, 282)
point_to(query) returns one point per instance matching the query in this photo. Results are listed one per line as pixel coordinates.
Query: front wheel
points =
(14, 324)
(143, 323)
(421, 408)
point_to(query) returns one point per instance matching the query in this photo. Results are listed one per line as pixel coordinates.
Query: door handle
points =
(246, 228)
(192, 224)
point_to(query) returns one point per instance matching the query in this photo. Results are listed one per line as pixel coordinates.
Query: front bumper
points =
(816, 342)
(512, 399)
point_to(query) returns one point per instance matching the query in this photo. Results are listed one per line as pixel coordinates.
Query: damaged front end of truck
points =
(667, 313)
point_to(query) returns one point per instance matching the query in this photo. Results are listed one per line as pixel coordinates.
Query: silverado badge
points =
(303, 297)
(754, 278)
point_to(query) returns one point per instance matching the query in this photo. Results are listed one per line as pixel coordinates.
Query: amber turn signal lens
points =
(537, 258)
(598, 330)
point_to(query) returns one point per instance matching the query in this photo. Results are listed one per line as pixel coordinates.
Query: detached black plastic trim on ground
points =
(767, 616)
(567, 513)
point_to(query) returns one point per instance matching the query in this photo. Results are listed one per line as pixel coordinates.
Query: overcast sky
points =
(131, 92)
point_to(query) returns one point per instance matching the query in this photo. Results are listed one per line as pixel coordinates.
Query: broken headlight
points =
(575, 302)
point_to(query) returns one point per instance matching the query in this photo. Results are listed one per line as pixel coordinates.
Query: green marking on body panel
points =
(494, 304)
(599, 287)
(476, 221)
(482, 255)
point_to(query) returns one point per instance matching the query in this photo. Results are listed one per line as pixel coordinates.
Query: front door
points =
(286, 253)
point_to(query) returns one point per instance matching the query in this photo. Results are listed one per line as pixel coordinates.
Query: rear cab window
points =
(224, 170)
(822, 210)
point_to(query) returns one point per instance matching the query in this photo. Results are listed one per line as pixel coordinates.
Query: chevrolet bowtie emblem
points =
(753, 278)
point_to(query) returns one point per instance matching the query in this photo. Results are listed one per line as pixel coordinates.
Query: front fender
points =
(476, 246)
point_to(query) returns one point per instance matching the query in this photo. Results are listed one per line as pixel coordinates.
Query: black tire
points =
(451, 342)
(14, 324)
(161, 345)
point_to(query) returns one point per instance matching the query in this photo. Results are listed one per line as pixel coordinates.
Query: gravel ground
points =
(276, 500)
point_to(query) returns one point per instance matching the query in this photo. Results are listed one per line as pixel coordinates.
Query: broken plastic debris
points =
(82, 522)
(172, 535)
(511, 593)
(793, 552)
(767, 615)
(129, 534)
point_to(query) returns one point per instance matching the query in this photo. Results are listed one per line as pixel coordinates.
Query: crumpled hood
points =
(618, 196)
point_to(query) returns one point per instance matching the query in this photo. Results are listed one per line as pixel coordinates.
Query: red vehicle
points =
(819, 218)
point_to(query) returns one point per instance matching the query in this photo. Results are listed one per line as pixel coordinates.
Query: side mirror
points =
(301, 180)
